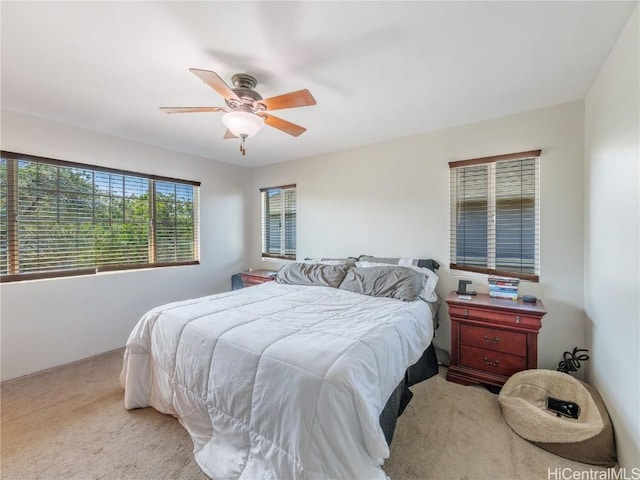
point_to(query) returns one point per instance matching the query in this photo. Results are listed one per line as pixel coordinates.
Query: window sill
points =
(89, 272)
(460, 273)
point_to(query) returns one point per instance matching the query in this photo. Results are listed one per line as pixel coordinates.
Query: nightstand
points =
(251, 277)
(492, 338)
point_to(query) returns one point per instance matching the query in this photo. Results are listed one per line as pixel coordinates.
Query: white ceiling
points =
(378, 70)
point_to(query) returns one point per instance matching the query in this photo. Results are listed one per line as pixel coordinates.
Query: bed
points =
(303, 377)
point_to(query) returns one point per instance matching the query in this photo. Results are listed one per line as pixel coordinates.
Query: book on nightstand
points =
(500, 287)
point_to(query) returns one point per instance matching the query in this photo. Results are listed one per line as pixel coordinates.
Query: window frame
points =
(282, 255)
(491, 207)
(12, 247)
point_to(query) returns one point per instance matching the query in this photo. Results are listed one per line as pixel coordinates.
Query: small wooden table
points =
(252, 277)
(492, 338)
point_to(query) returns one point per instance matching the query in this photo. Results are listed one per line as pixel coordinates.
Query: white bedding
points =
(277, 381)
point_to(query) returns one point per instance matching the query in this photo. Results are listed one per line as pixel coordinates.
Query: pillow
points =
(429, 292)
(390, 281)
(420, 262)
(312, 274)
(404, 262)
(351, 261)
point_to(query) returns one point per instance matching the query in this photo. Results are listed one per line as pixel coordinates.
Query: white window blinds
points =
(59, 218)
(495, 215)
(279, 222)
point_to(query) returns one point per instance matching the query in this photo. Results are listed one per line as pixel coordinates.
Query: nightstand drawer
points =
(493, 339)
(249, 280)
(491, 361)
(506, 318)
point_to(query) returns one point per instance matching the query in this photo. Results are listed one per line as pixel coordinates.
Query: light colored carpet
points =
(69, 423)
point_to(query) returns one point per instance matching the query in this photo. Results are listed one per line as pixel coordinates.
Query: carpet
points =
(69, 423)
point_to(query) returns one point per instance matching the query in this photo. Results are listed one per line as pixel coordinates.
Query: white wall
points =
(55, 321)
(392, 199)
(612, 282)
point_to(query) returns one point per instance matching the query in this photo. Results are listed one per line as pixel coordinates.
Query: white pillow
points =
(429, 292)
(319, 261)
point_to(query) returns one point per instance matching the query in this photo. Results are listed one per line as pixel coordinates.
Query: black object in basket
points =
(563, 407)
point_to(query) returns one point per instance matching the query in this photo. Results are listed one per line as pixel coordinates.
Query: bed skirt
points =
(423, 369)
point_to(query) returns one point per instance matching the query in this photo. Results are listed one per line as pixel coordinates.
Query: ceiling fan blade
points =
(192, 109)
(228, 135)
(280, 124)
(214, 81)
(301, 98)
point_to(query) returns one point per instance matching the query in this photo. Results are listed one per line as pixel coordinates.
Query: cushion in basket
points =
(588, 439)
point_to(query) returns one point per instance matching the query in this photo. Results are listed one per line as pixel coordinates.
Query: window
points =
(279, 222)
(495, 220)
(60, 218)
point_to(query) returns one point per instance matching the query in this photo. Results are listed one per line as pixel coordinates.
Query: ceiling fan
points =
(246, 111)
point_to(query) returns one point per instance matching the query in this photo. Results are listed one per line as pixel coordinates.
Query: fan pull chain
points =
(242, 149)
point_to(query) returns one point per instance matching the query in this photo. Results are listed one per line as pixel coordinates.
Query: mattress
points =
(278, 381)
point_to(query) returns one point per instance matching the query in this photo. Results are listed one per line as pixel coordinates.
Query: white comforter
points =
(277, 381)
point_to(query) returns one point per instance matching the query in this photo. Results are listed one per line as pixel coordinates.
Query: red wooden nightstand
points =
(252, 277)
(492, 338)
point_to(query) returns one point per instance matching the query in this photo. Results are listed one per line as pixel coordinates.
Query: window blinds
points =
(59, 218)
(279, 222)
(495, 215)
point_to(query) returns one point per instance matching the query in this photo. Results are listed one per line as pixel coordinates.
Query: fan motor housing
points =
(244, 89)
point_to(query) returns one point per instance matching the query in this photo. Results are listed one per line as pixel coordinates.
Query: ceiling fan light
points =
(243, 123)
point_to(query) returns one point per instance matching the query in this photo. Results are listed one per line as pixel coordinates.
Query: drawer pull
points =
(493, 340)
(517, 318)
(466, 312)
(489, 362)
